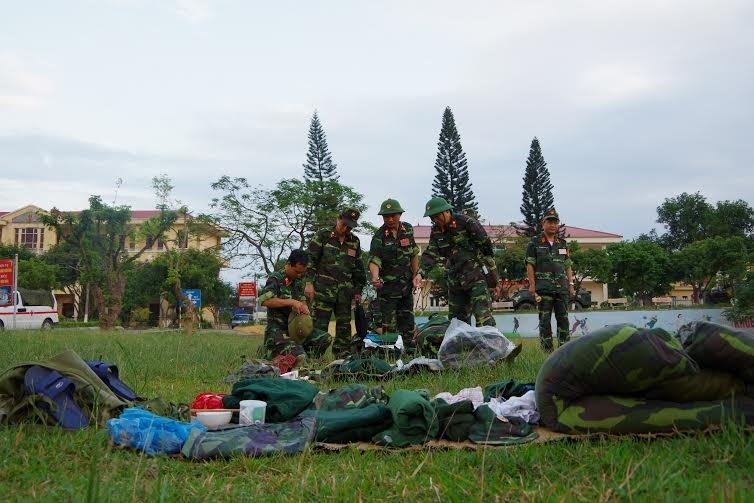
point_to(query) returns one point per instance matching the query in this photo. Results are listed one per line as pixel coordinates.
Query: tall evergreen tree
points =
(537, 193)
(319, 166)
(452, 178)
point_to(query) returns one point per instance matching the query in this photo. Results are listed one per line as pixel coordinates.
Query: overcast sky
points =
(633, 101)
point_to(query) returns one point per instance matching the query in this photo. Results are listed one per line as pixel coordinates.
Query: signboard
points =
(6, 282)
(247, 294)
(194, 296)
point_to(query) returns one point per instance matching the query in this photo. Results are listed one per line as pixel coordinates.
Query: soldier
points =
(462, 245)
(335, 278)
(282, 295)
(548, 267)
(393, 263)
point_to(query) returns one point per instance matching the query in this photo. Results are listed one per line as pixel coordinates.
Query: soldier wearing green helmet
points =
(393, 263)
(461, 244)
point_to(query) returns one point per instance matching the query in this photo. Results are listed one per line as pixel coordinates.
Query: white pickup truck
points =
(35, 309)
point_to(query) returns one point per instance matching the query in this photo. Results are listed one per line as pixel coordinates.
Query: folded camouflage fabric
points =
(489, 428)
(351, 396)
(350, 425)
(621, 379)
(369, 367)
(414, 420)
(285, 398)
(255, 440)
(252, 368)
(506, 389)
(455, 419)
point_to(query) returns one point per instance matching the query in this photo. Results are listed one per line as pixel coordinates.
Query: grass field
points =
(39, 463)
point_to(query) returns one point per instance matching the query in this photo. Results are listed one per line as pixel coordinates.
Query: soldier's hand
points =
(377, 282)
(300, 308)
(532, 290)
(309, 291)
(357, 298)
(417, 281)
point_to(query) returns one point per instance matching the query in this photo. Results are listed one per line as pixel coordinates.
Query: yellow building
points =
(22, 227)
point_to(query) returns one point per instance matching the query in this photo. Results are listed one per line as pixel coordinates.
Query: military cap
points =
(436, 205)
(551, 215)
(350, 217)
(390, 207)
(300, 327)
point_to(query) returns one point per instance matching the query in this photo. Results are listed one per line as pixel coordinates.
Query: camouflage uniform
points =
(338, 274)
(276, 340)
(550, 263)
(392, 253)
(464, 248)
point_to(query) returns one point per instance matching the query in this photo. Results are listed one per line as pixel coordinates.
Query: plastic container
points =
(214, 419)
(252, 412)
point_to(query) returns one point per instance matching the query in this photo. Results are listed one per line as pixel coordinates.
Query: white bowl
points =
(215, 418)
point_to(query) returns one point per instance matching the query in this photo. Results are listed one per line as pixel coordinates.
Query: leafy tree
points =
(640, 268)
(263, 225)
(686, 218)
(589, 263)
(452, 178)
(10, 251)
(743, 304)
(700, 262)
(33, 271)
(733, 218)
(319, 166)
(98, 235)
(537, 196)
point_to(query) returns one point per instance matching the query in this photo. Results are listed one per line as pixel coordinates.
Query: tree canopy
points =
(537, 196)
(452, 174)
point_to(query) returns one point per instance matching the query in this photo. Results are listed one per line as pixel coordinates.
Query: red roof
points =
(496, 231)
(134, 213)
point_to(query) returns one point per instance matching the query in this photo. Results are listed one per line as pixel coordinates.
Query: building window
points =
(30, 237)
(161, 243)
(182, 238)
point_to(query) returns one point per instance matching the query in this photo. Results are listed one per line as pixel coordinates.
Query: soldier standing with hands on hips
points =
(548, 268)
(393, 263)
(335, 278)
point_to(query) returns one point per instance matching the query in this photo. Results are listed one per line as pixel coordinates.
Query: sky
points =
(632, 101)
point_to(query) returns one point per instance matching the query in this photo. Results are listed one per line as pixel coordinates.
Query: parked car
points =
(240, 319)
(523, 300)
(35, 309)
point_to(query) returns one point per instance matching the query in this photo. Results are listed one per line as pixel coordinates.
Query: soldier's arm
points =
(531, 262)
(429, 258)
(270, 291)
(375, 252)
(315, 256)
(358, 276)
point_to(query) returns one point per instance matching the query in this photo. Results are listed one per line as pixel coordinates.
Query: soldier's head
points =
(391, 212)
(347, 220)
(295, 267)
(438, 210)
(550, 222)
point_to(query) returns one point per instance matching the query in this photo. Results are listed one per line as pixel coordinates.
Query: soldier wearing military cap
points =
(461, 244)
(289, 329)
(393, 263)
(336, 277)
(548, 268)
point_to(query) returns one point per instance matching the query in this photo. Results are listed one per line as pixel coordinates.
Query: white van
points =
(35, 309)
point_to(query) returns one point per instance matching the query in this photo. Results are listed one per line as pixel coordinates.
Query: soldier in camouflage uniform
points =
(282, 294)
(393, 263)
(461, 244)
(548, 267)
(335, 278)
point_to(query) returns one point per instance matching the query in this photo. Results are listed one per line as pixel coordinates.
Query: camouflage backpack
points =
(429, 336)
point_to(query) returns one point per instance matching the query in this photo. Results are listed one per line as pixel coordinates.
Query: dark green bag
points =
(430, 335)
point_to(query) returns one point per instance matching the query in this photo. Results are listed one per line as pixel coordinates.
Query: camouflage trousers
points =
(322, 309)
(277, 342)
(553, 302)
(476, 300)
(395, 314)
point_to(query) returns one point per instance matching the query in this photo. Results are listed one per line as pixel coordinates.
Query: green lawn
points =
(46, 463)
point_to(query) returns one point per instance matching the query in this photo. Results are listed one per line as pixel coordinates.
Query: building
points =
(23, 227)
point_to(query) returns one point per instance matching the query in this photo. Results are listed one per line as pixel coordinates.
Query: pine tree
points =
(319, 166)
(452, 178)
(537, 193)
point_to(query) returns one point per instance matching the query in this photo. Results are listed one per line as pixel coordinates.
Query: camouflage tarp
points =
(254, 440)
(621, 379)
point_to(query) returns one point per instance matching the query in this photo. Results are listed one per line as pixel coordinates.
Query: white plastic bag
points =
(464, 345)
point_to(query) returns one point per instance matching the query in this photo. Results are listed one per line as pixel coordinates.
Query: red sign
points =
(247, 289)
(247, 295)
(6, 272)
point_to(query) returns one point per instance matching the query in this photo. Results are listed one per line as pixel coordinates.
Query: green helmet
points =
(436, 205)
(390, 207)
(300, 327)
